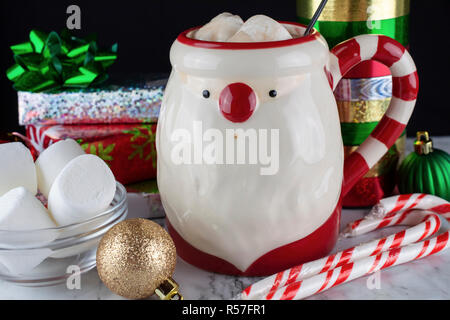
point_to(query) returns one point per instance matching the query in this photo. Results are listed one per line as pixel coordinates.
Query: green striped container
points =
(364, 94)
(343, 19)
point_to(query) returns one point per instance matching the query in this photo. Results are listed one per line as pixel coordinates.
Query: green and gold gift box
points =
(363, 95)
(343, 19)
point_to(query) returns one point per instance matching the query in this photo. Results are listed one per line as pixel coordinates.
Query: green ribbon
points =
(338, 31)
(49, 62)
(354, 134)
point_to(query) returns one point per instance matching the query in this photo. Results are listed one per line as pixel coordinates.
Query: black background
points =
(146, 29)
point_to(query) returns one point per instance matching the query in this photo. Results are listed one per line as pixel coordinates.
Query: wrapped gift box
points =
(343, 19)
(138, 102)
(129, 149)
(361, 105)
(364, 94)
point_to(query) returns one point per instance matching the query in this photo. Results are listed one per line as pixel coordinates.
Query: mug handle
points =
(405, 86)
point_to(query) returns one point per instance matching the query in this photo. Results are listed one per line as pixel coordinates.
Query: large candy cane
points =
(405, 86)
(419, 210)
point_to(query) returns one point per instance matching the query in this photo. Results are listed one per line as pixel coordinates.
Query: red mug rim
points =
(184, 39)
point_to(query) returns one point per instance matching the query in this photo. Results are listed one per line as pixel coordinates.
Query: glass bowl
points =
(50, 256)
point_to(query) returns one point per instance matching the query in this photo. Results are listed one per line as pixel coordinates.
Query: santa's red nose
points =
(237, 102)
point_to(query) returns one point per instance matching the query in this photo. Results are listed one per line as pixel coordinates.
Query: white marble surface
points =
(428, 278)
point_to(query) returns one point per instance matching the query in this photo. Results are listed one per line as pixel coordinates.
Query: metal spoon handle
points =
(315, 17)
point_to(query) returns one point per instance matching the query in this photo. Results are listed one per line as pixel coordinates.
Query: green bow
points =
(49, 62)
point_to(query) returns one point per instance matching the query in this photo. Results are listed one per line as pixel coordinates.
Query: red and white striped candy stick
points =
(352, 270)
(397, 211)
(405, 202)
(358, 261)
(416, 233)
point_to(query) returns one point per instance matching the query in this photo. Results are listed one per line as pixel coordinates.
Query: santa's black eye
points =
(205, 94)
(273, 93)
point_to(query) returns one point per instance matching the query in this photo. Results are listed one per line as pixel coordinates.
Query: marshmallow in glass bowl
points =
(17, 168)
(78, 187)
(80, 199)
(37, 246)
(52, 160)
(21, 211)
(82, 190)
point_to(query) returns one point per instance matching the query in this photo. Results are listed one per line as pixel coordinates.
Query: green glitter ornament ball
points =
(426, 170)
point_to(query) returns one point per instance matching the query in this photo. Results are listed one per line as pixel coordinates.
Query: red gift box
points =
(128, 149)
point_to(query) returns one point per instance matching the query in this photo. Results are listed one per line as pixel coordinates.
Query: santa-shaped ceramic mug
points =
(249, 215)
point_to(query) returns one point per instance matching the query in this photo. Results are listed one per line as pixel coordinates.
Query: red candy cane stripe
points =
(328, 263)
(417, 210)
(291, 291)
(401, 202)
(293, 274)
(443, 209)
(387, 130)
(327, 281)
(388, 51)
(406, 87)
(275, 286)
(379, 248)
(348, 55)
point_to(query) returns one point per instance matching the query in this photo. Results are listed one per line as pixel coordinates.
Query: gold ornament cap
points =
(168, 290)
(423, 143)
(137, 257)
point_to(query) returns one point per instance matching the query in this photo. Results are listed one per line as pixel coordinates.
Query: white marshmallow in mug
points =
(260, 28)
(17, 168)
(84, 189)
(20, 210)
(52, 160)
(220, 28)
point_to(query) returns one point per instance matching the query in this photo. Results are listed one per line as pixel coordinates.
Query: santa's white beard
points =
(232, 211)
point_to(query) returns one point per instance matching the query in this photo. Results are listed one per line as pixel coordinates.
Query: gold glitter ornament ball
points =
(135, 257)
